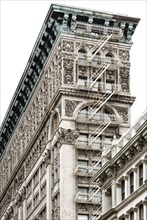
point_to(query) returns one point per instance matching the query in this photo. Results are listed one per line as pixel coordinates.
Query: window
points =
(131, 182)
(96, 166)
(140, 174)
(36, 199)
(123, 190)
(132, 215)
(29, 208)
(43, 190)
(36, 178)
(43, 168)
(29, 188)
(83, 217)
(141, 212)
(83, 193)
(82, 165)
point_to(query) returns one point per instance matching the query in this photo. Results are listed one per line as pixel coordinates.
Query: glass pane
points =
(83, 217)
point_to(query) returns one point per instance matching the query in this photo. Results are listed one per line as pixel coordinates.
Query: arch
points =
(82, 50)
(107, 108)
(109, 54)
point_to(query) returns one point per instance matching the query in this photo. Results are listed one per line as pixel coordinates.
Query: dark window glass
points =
(132, 215)
(123, 190)
(131, 182)
(140, 174)
(141, 212)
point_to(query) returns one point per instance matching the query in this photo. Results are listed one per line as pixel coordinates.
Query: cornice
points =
(59, 19)
(133, 148)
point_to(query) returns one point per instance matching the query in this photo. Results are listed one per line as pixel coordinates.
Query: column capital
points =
(125, 177)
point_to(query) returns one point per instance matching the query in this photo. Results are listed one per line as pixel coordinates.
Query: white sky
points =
(21, 22)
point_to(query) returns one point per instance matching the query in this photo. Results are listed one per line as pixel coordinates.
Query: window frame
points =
(131, 182)
(123, 189)
(141, 174)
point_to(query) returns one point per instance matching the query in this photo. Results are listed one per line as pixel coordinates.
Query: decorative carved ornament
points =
(66, 136)
(70, 107)
(124, 79)
(123, 111)
(68, 46)
(124, 54)
(68, 65)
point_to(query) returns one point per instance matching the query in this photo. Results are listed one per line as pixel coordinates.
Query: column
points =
(135, 213)
(24, 209)
(145, 209)
(113, 193)
(126, 216)
(126, 185)
(144, 162)
(67, 174)
(106, 200)
(20, 211)
(47, 159)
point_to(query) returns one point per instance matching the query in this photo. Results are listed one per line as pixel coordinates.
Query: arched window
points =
(82, 53)
(109, 54)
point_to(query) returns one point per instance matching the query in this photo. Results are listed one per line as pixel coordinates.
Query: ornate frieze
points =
(68, 75)
(6, 201)
(124, 79)
(111, 75)
(68, 46)
(30, 120)
(70, 106)
(124, 55)
(123, 112)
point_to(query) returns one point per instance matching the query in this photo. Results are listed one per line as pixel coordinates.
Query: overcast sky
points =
(21, 22)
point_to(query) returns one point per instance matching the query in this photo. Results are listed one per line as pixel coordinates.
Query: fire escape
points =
(94, 116)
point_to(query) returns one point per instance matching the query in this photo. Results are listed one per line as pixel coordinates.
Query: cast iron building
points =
(123, 178)
(71, 102)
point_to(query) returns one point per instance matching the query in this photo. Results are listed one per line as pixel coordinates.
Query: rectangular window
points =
(83, 193)
(123, 190)
(29, 188)
(36, 199)
(140, 174)
(141, 212)
(83, 217)
(82, 165)
(132, 215)
(36, 178)
(131, 182)
(29, 208)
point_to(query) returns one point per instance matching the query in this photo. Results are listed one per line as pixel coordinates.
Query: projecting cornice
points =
(135, 147)
(59, 19)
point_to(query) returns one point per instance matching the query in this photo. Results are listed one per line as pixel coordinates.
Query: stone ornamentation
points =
(68, 46)
(124, 55)
(68, 65)
(70, 107)
(124, 79)
(66, 136)
(122, 111)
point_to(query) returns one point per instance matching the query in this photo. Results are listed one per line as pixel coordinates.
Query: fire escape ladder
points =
(94, 165)
(96, 214)
(93, 192)
(100, 130)
(98, 74)
(100, 103)
(100, 44)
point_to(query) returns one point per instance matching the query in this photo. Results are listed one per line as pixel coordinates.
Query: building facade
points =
(123, 179)
(72, 102)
